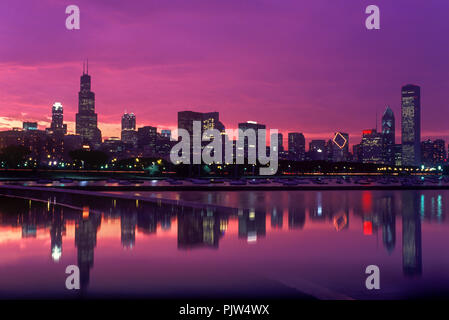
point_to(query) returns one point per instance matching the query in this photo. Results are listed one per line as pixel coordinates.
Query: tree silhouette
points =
(89, 159)
(13, 156)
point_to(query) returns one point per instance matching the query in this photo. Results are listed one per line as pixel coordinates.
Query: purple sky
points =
(308, 66)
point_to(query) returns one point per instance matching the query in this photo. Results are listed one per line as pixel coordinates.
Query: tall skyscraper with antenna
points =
(86, 118)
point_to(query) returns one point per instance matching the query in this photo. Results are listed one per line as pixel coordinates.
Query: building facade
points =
(411, 125)
(372, 147)
(388, 136)
(296, 146)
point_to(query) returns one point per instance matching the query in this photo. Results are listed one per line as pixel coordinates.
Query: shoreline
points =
(215, 187)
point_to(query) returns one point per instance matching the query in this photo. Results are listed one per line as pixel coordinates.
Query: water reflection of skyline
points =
(203, 227)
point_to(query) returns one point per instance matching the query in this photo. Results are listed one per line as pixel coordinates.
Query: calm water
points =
(292, 244)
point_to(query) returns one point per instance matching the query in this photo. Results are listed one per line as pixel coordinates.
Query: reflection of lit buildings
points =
(431, 206)
(29, 230)
(146, 222)
(386, 205)
(86, 240)
(276, 218)
(341, 221)
(316, 211)
(411, 234)
(57, 230)
(128, 223)
(251, 224)
(199, 228)
(296, 211)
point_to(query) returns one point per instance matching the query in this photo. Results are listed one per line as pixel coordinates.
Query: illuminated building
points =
(209, 120)
(146, 140)
(29, 126)
(296, 146)
(57, 119)
(388, 136)
(129, 133)
(411, 235)
(280, 142)
(163, 145)
(251, 145)
(339, 148)
(166, 133)
(433, 152)
(113, 146)
(411, 125)
(357, 153)
(42, 147)
(317, 150)
(86, 118)
(397, 149)
(372, 147)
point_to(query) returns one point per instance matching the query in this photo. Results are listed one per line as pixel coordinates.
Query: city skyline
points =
(327, 68)
(90, 132)
(375, 147)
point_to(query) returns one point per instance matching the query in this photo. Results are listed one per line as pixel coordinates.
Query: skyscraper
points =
(433, 153)
(317, 150)
(388, 136)
(296, 146)
(280, 142)
(146, 139)
(250, 147)
(129, 133)
(57, 117)
(371, 147)
(411, 125)
(209, 120)
(339, 148)
(86, 118)
(128, 121)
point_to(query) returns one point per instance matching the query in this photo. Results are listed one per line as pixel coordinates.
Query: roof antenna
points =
(87, 65)
(376, 119)
(83, 66)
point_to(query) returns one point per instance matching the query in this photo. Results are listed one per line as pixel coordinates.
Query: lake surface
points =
(249, 244)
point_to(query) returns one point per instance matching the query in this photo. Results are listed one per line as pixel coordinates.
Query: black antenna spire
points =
(83, 66)
(376, 119)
